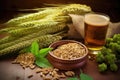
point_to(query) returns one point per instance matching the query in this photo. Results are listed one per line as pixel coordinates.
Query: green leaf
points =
(85, 77)
(74, 78)
(35, 48)
(42, 62)
(43, 52)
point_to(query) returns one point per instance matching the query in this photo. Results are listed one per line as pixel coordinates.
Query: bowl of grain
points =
(68, 54)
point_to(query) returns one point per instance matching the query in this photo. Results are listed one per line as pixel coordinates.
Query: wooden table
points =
(9, 71)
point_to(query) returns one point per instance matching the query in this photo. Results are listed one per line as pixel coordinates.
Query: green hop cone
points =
(106, 51)
(110, 58)
(100, 57)
(102, 67)
(113, 67)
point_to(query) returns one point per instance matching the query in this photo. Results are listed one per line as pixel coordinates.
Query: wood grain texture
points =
(9, 71)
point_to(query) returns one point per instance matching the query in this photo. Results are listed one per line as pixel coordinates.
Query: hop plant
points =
(110, 52)
(105, 51)
(102, 67)
(113, 67)
(114, 47)
(110, 59)
(100, 57)
(116, 37)
(108, 41)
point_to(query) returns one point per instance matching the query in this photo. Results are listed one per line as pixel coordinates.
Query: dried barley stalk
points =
(24, 44)
(71, 8)
(7, 29)
(52, 30)
(30, 17)
(76, 9)
(7, 39)
(45, 43)
(36, 27)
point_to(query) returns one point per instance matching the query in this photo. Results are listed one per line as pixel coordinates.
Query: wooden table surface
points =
(9, 71)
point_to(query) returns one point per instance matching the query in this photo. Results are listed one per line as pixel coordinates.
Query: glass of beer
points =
(96, 25)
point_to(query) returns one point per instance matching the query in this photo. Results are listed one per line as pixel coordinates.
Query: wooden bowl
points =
(67, 64)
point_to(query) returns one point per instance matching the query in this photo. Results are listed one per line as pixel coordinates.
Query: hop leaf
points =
(85, 77)
(43, 52)
(42, 62)
(35, 48)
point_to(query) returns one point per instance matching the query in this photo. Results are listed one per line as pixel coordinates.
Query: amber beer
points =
(96, 26)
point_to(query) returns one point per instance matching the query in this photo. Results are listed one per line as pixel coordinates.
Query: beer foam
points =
(96, 19)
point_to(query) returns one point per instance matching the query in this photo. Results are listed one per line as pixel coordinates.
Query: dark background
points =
(110, 7)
